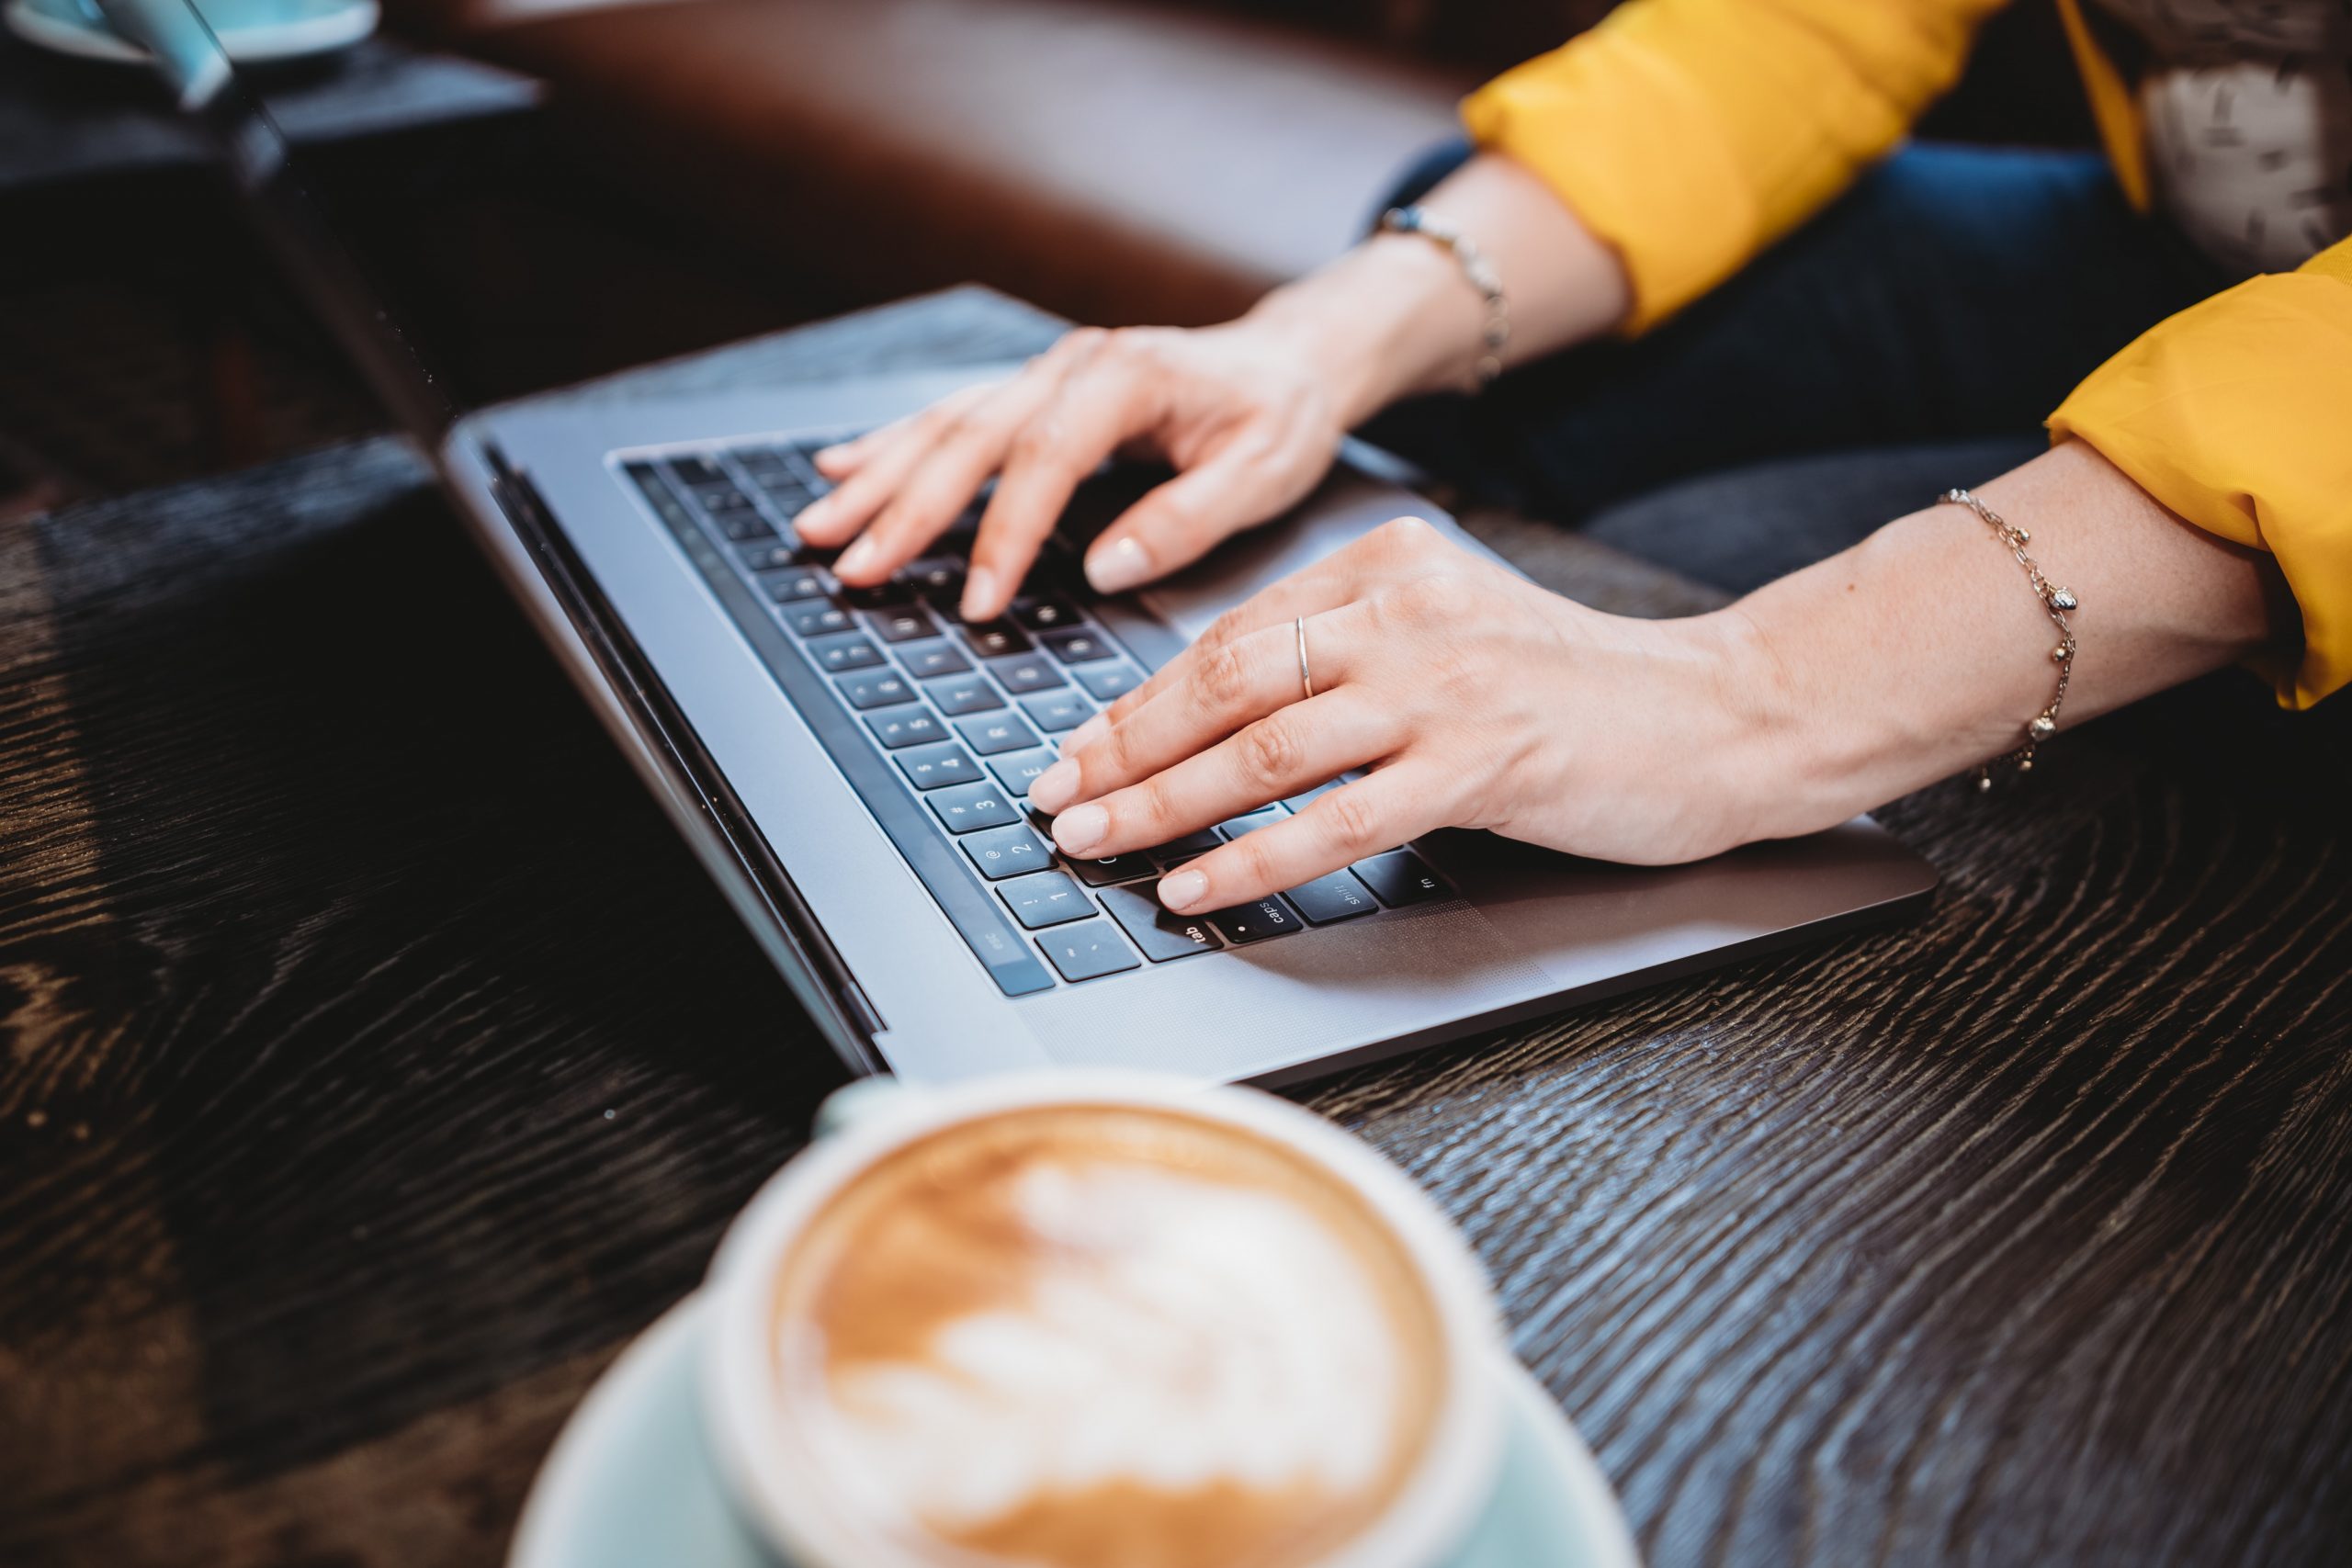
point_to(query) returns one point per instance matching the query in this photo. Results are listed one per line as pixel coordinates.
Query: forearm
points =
(1922, 651)
(1395, 315)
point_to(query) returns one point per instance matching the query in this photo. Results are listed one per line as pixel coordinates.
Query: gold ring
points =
(1305, 676)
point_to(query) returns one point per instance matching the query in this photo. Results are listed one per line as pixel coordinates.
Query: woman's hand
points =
(1476, 699)
(1249, 418)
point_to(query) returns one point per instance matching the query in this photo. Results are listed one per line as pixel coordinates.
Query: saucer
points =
(252, 31)
(629, 1481)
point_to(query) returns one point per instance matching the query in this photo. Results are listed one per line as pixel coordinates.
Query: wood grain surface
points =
(375, 1062)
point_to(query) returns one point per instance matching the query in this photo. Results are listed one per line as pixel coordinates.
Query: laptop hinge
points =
(824, 982)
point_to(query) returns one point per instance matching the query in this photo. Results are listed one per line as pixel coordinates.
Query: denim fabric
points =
(1916, 330)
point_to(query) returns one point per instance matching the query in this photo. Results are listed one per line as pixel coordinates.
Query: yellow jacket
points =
(1691, 133)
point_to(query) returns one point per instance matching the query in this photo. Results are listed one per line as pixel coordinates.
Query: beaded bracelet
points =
(1475, 266)
(2055, 603)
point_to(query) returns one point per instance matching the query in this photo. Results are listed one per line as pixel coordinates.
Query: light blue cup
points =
(252, 31)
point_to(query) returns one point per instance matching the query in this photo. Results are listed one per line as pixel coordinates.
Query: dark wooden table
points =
(376, 1062)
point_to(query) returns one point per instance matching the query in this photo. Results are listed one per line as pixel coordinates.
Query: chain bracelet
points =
(1476, 268)
(2055, 603)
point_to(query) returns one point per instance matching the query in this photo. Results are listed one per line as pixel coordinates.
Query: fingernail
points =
(855, 558)
(813, 515)
(1055, 788)
(1120, 566)
(833, 454)
(1080, 829)
(979, 595)
(1086, 734)
(1183, 890)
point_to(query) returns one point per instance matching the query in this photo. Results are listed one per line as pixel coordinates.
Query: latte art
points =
(1105, 1337)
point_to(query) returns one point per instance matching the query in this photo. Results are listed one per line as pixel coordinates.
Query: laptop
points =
(851, 767)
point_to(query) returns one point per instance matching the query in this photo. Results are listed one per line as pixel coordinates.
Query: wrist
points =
(1394, 317)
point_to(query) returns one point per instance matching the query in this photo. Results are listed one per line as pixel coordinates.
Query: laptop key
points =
(1113, 868)
(876, 689)
(964, 693)
(902, 624)
(926, 659)
(902, 727)
(1043, 613)
(1338, 896)
(1017, 772)
(762, 462)
(1185, 847)
(721, 498)
(1027, 672)
(941, 577)
(880, 596)
(996, 639)
(1401, 877)
(1078, 647)
(1046, 898)
(966, 809)
(1088, 951)
(746, 527)
(999, 853)
(1109, 682)
(993, 733)
(1055, 711)
(1162, 933)
(935, 767)
(835, 655)
(816, 620)
(696, 472)
(804, 582)
(1251, 821)
(1256, 921)
(767, 555)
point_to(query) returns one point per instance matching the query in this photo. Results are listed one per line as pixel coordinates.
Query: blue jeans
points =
(1910, 337)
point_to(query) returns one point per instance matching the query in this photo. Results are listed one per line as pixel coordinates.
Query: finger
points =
(1247, 479)
(1289, 749)
(842, 458)
(830, 519)
(1099, 405)
(1398, 803)
(1312, 590)
(929, 499)
(1227, 689)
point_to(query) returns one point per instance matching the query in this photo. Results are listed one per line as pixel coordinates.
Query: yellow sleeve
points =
(2237, 414)
(1689, 134)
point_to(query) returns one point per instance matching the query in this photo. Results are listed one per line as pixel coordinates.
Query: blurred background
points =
(550, 190)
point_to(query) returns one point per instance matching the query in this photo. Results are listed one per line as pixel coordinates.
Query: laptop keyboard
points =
(940, 725)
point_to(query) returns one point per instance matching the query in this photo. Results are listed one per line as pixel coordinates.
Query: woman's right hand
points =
(1244, 414)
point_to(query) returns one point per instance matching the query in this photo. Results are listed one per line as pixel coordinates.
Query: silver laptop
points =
(851, 766)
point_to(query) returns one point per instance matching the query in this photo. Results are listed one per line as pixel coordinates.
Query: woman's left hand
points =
(1474, 698)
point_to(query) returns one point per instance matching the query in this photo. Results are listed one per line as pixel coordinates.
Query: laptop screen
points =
(258, 161)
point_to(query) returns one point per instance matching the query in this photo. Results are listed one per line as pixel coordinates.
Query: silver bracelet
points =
(1475, 266)
(2055, 603)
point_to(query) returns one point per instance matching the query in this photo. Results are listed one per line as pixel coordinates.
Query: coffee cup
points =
(1099, 1320)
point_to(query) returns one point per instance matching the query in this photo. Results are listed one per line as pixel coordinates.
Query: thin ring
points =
(1305, 677)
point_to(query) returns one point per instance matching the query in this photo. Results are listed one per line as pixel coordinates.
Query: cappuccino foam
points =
(1106, 1337)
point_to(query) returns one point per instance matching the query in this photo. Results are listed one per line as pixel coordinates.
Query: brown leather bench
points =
(1110, 161)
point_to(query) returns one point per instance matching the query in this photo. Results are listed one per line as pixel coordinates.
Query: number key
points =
(968, 807)
(1047, 898)
(935, 767)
